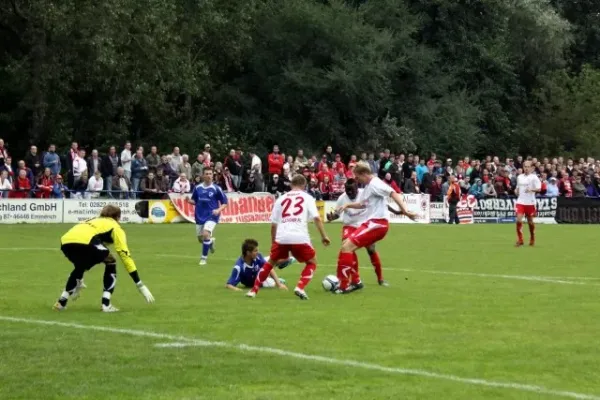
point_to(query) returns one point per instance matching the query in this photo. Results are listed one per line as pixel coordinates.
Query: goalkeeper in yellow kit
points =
(84, 246)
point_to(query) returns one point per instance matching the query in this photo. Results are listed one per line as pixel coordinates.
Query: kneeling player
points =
(352, 219)
(84, 246)
(246, 268)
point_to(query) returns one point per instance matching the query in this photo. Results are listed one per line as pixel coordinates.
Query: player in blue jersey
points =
(210, 201)
(246, 268)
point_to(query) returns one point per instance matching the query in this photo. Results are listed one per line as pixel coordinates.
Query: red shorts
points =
(347, 231)
(370, 232)
(528, 211)
(301, 252)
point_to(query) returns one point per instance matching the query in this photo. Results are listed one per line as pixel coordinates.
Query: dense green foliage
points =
(455, 77)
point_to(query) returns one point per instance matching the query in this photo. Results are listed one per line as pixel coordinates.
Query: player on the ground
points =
(209, 201)
(289, 234)
(84, 246)
(375, 226)
(528, 185)
(247, 266)
(352, 219)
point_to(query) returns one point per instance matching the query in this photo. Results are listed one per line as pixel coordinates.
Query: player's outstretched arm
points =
(234, 279)
(120, 242)
(231, 287)
(332, 216)
(398, 199)
(356, 206)
(394, 211)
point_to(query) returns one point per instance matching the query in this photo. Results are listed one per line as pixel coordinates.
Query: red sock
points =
(520, 231)
(531, 231)
(344, 269)
(374, 256)
(355, 275)
(306, 276)
(263, 274)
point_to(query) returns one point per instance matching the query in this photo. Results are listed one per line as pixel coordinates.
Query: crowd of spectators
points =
(129, 173)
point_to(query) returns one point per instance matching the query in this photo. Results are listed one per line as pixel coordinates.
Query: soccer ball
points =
(330, 283)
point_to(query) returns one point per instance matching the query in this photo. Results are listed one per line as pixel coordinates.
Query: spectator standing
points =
(411, 184)
(384, 164)
(552, 189)
(126, 160)
(227, 182)
(28, 172)
(373, 164)
(300, 161)
(234, 163)
(168, 170)
(150, 187)
(408, 167)
(162, 181)
(250, 185)
(388, 179)
(421, 170)
(453, 196)
(198, 166)
(121, 183)
(579, 189)
(79, 166)
(185, 167)
(435, 192)
(3, 152)
(52, 160)
(139, 170)
(428, 179)
(339, 184)
(59, 189)
(590, 188)
(69, 159)
(488, 190)
(275, 161)
(33, 160)
(110, 164)
(207, 156)
(476, 189)
(275, 186)
(95, 184)
(153, 159)
(176, 159)
(5, 184)
(329, 154)
(22, 185)
(94, 163)
(44, 184)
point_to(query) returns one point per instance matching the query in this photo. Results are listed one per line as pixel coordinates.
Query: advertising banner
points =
(79, 210)
(163, 212)
(418, 203)
(31, 211)
(242, 208)
(503, 210)
(578, 211)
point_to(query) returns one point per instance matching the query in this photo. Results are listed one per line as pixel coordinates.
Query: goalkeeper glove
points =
(145, 292)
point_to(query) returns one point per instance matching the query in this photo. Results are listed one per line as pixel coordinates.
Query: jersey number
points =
(298, 207)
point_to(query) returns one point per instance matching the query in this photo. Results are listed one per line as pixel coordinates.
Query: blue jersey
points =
(244, 273)
(207, 199)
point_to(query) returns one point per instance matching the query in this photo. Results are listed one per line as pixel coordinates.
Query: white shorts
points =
(208, 226)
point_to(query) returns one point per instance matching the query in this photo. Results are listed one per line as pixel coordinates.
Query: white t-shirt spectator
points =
(5, 187)
(95, 186)
(180, 186)
(79, 167)
(256, 164)
(126, 159)
(176, 161)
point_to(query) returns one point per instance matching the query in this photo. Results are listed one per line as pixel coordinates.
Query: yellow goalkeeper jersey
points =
(108, 231)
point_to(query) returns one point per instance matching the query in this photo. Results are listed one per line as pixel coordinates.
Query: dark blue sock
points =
(205, 247)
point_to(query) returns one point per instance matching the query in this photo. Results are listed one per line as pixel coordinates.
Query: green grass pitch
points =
(467, 316)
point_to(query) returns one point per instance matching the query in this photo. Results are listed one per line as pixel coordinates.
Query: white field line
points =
(562, 280)
(181, 341)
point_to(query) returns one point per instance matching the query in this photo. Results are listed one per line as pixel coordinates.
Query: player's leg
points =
(355, 276)
(520, 213)
(83, 257)
(278, 254)
(346, 263)
(109, 282)
(376, 262)
(531, 223)
(304, 253)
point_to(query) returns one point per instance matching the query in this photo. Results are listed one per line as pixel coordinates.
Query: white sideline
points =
(181, 341)
(562, 280)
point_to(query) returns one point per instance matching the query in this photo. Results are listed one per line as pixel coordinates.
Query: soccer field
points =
(467, 316)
